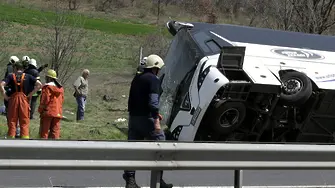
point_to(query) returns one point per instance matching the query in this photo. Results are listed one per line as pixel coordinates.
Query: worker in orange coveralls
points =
(51, 106)
(23, 86)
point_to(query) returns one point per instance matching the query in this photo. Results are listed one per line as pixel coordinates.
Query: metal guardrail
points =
(154, 156)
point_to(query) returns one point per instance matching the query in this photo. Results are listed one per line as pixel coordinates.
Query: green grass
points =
(106, 52)
(77, 131)
(26, 16)
(109, 47)
(110, 75)
(143, 12)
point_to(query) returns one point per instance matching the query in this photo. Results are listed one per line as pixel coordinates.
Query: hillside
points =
(109, 48)
(112, 35)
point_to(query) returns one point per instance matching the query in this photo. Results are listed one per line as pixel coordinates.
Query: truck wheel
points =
(226, 117)
(297, 88)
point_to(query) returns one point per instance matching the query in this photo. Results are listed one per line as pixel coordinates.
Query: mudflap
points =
(319, 125)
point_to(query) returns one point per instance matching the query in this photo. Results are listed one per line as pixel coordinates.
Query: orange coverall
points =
(18, 110)
(50, 109)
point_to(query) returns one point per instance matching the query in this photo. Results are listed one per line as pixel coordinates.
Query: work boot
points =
(165, 185)
(130, 181)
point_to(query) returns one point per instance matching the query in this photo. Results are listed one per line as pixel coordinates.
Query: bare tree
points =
(314, 16)
(309, 16)
(132, 2)
(158, 10)
(61, 46)
(73, 5)
(156, 43)
(109, 5)
(228, 7)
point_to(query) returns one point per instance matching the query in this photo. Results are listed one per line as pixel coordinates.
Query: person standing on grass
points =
(10, 70)
(51, 106)
(23, 86)
(81, 92)
(143, 108)
(32, 70)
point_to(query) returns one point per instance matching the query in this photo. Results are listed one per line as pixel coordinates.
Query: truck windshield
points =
(180, 59)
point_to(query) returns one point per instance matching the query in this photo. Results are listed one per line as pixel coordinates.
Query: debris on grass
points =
(120, 120)
(108, 98)
(67, 111)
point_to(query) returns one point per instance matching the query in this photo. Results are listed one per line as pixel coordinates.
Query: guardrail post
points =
(155, 179)
(238, 177)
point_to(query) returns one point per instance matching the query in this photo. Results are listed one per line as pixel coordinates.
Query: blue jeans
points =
(81, 102)
(141, 128)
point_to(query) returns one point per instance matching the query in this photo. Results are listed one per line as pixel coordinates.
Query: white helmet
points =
(25, 58)
(154, 61)
(33, 62)
(13, 59)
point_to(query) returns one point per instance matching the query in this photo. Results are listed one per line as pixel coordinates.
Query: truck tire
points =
(226, 117)
(297, 88)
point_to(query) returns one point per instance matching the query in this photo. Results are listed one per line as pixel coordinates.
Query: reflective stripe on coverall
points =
(18, 110)
(51, 107)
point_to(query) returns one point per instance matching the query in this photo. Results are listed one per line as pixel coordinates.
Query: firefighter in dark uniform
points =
(32, 70)
(143, 108)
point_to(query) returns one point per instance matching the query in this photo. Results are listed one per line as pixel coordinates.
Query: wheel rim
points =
(229, 117)
(293, 85)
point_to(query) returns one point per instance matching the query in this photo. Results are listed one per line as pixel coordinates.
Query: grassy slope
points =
(36, 17)
(112, 40)
(110, 54)
(106, 78)
(143, 11)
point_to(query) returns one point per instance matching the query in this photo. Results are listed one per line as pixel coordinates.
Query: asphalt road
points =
(42, 178)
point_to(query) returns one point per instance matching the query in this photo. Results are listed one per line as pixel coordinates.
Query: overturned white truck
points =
(237, 83)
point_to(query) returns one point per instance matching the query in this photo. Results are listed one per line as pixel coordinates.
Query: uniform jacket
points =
(9, 69)
(52, 99)
(32, 71)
